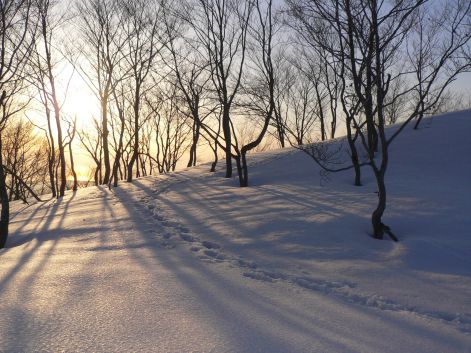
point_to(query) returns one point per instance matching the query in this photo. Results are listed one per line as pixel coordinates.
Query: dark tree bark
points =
(194, 144)
(16, 34)
(71, 134)
(5, 212)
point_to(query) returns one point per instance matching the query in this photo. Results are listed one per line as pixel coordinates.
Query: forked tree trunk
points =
(196, 136)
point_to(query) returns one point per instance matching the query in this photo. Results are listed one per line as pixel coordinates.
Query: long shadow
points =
(210, 287)
(32, 216)
(49, 216)
(316, 245)
(51, 229)
(43, 234)
(305, 234)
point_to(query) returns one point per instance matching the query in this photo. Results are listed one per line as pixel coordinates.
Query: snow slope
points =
(189, 262)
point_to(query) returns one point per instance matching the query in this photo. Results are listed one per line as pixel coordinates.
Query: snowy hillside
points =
(190, 262)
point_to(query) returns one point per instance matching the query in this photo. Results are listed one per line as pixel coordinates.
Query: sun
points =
(83, 172)
(80, 102)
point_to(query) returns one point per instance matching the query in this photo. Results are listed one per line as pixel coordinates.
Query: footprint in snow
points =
(247, 264)
(183, 229)
(167, 245)
(260, 276)
(214, 255)
(210, 245)
(187, 237)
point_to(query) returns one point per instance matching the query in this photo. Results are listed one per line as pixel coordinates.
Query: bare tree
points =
(118, 121)
(141, 23)
(437, 51)
(192, 76)
(221, 28)
(93, 145)
(169, 128)
(282, 92)
(263, 31)
(102, 47)
(45, 79)
(16, 26)
(25, 160)
(370, 37)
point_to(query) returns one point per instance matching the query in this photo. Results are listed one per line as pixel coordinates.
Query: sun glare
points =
(80, 102)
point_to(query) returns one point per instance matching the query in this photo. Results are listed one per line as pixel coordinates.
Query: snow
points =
(189, 262)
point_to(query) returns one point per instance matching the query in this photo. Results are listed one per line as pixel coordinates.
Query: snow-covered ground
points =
(189, 262)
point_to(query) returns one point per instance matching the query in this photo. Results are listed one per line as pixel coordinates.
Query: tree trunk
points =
(134, 157)
(52, 155)
(117, 160)
(5, 213)
(72, 167)
(51, 162)
(280, 129)
(419, 120)
(244, 173)
(196, 136)
(215, 162)
(354, 153)
(379, 228)
(226, 129)
(372, 134)
(240, 172)
(356, 168)
(106, 152)
(63, 182)
(376, 217)
(321, 114)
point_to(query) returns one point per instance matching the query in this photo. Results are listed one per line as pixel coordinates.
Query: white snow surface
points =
(190, 262)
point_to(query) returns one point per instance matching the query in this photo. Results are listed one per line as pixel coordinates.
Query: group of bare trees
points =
(388, 55)
(17, 42)
(175, 79)
(171, 77)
